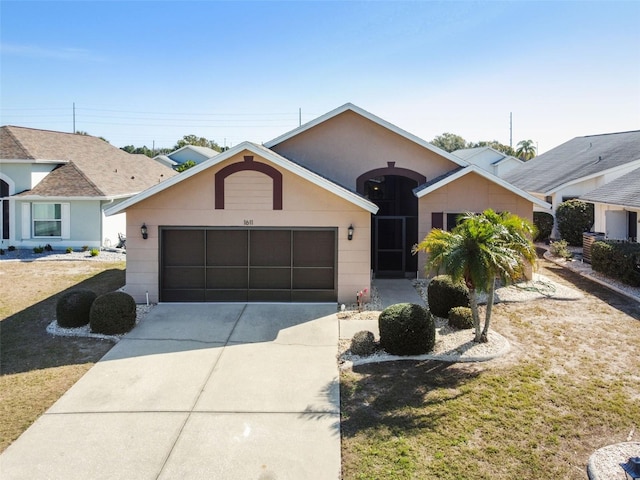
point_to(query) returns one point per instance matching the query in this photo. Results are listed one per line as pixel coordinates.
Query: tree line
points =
(186, 140)
(450, 142)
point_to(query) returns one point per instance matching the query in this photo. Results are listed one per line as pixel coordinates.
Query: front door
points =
(395, 227)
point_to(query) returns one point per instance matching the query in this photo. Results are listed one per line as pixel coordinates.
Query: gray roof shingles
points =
(96, 168)
(623, 191)
(578, 158)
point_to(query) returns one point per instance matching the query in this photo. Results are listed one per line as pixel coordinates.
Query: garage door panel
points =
(183, 277)
(183, 247)
(183, 295)
(313, 278)
(313, 296)
(269, 295)
(227, 278)
(227, 247)
(221, 295)
(270, 248)
(314, 248)
(270, 278)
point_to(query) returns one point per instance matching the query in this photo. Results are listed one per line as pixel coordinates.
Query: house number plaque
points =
(248, 222)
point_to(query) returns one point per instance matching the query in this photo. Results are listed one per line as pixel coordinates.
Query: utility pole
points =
(299, 117)
(511, 129)
(74, 117)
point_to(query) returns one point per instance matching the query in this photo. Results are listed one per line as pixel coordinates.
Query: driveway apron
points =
(199, 391)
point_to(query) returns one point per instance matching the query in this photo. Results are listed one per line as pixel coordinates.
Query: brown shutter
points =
(437, 220)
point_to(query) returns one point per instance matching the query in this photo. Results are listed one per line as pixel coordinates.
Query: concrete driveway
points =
(216, 391)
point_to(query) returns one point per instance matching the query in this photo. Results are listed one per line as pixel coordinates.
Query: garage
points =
(248, 265)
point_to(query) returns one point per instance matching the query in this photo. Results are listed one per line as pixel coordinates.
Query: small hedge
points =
(113, 313)
(617, 260)
(460, 318)
(363, 343)
(574, 217)
(73, 308)
(544, 224)
(443, 295)
(406, 329)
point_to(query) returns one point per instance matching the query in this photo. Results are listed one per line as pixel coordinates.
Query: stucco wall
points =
(471, 193)
(192, 203)
(349, 145)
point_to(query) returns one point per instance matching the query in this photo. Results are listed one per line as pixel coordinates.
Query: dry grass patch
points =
(35, 367)
(570, 386)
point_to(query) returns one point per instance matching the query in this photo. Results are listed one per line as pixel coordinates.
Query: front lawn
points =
(35, 367)
(570, 385)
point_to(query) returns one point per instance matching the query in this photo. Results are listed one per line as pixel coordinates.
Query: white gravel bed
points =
(604, 464)
(85, 331)
(27, 255)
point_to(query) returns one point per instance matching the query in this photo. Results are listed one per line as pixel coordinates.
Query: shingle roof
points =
(623, 191)
(99, 169)
(576, 159)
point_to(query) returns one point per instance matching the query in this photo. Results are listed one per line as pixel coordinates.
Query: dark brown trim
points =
(248, 164)
(390, 170)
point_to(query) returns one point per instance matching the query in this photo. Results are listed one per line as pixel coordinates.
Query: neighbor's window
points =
(47, 220)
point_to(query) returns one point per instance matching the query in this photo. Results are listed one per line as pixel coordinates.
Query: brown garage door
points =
(248, 265)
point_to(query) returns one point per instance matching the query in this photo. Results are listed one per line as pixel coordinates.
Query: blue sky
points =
(141, 72)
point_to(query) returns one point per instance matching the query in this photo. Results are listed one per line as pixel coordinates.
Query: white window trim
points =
(29, 220)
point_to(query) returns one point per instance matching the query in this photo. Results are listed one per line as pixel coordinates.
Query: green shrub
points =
(1, 251)
(113, 313)
(406, 329)
(363, 343)
(48, 248)
(460, 318)
(85, 248)
(560, 249)
(11, 248)
(69, 250)
(94, 252)
(574, 217)
(73, 307)
(39, 249)
(443, 295)
(544, 224)
(617, 260)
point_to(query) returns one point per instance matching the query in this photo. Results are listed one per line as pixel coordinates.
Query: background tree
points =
(526, 150)
(185, 166)
(479, 249)
(496, 145)
(449, 142)
(197, 141)
(574, 217)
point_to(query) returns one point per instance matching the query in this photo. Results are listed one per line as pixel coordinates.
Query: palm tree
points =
(479, 249)
(526, 150)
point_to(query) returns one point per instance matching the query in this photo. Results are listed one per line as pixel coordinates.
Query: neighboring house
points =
(310, 216)
(188, 152)
(578, 166)
(55, 186)
(489, 159)
(617, 207)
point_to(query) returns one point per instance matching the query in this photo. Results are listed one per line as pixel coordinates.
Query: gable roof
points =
(263, 152)
(369, 116)
(206, 152)
(100, 169)
(453, 175)
(623, 191)
(578, 159)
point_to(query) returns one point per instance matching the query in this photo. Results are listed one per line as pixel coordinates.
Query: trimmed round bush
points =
(544, 224)
(406, 329)
(574, 217)
(113, 313)
(443, 294)
(363, 343)
(73, 308)
(460, 318)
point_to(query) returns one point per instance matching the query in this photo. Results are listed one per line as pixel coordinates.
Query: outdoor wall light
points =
(350, 232)
(144, 231)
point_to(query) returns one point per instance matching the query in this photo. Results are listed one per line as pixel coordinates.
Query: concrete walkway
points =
(221, 391)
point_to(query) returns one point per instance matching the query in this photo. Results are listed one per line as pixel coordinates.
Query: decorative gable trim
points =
(250, 165)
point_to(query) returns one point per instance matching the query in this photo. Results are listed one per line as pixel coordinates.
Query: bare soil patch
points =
(37, 368)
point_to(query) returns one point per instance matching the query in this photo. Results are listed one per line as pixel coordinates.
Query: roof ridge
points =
(610, 133)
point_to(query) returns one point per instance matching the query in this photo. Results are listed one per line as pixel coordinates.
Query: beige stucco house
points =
(310, 216)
